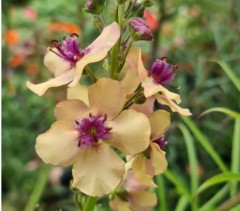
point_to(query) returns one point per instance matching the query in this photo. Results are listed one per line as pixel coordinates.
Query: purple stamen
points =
(69, 49)
(92, 129)
(161, 142)
(162, 72)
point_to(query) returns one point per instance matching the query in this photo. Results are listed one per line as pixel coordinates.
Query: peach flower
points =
(85, 132)
(67, 61)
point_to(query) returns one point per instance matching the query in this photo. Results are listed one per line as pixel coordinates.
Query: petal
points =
(98, 49)
(56, 64)
(150, 88)
(58, 145)
(98, 170)
(158, 159)
(146, 108)
(143, 171)
(106, 96)
(160, 122)
(71, 110)
(130, 132)
(134, 60)
(79, 92)
(142, 200)
(62, 79)
(174, 107)
(130, 81)
(117, 204)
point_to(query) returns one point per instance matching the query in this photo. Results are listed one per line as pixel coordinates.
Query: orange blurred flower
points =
(32, 69)
(152, 19)
(64, 27)
(11, 36)
(16, 60)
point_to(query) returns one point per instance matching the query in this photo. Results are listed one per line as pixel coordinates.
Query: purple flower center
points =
(69, 49)
(92, 129)
(161, 142)
(162, 72)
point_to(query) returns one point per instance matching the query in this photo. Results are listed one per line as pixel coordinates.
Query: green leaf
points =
(229, 112)
(205, 143)
(235, 165)
(192, 162)
(38, 189)
(223, 177)
(229, 73)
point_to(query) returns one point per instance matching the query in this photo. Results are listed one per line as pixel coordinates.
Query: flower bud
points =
(94, 6)
(147, 3)
(140, 29)
(137, 6)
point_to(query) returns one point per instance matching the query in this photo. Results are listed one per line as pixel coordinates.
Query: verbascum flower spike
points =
(67, 60)
(86, 132)
(155, 80)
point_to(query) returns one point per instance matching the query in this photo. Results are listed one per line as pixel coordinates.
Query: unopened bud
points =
(94, 6)
(147, 3)
(140, 99)
(140, 29)
(137, 6)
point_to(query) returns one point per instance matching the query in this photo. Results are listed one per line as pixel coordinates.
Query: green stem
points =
(90, 73)
(124, 61)
(90, 204)
(131, 100)
(77, 202)
(116, 48)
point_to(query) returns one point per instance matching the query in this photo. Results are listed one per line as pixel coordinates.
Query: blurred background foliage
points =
(193, 34)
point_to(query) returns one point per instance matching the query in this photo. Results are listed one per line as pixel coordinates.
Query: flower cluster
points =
(109, 131)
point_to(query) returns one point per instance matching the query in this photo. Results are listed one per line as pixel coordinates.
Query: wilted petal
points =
(118, 204)
(62, 79)
(150, 88)
(130, 132)
(58, 145)
(158, 159)
(142, 200)
(79, 92)
(160, 122)
(174, 107)
(146, 108)
(130, 81)
(55, 63)
(71, 110)
(143, 170)
(98, 49)
(106, 96)
(98, 170)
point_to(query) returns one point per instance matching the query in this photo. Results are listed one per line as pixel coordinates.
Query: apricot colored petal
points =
(106, 96)
(71, 110)
(130, 81)
(130, 132)
(60, 80)
(143, 170)
(160, 122)
(79, 92)
(117, 204)
(98, 170)
(98, 50)
(55, 64)
(58, 145)
(174, 107)
(150, 88)
(134, 60)
(142, 200)
(158, 159)
(146, 108)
